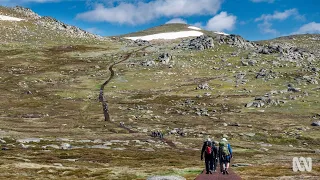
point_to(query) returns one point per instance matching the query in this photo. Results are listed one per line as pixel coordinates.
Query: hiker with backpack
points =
(210, 151)
(225, 155)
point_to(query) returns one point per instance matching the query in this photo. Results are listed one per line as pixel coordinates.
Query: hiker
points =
(161, 135)
(225, 155)
(209, 150)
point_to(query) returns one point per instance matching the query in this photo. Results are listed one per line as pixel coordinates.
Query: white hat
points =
(208, 139)
(224, 139)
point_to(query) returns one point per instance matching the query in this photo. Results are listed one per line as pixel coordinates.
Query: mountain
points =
(170, 31)
(58, 85)
(20, 24)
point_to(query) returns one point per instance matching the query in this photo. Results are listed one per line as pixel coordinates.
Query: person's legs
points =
(227, 164)
(214, 164)
(206, 161)
(221, 164)
(211, 163)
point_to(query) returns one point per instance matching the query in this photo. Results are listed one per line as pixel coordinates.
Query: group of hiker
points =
(157, 134)
(212, 154)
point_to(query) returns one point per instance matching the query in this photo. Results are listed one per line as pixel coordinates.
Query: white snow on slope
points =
(217, 32)
(169, 35)
(195, 28)
(9, 18)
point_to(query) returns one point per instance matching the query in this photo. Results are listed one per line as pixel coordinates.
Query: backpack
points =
(208, 147)
(224, 148)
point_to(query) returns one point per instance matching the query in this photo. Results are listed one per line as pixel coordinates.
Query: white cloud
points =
(258, 1)
(94, 30)
(312, 28)
(142, 12)
(177, 20)
(279, 15)
(222, 22)
(266, 28)
(266, 25)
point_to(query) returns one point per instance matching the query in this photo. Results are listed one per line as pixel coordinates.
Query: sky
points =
(252, 19)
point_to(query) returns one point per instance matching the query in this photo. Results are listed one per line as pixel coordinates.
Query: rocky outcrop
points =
(164, 58)
(48, 26)
(286, 52)
(199, 43)
(26, 12)
(263, 101)
(266, 74)
(140, 42)
(204, 86)
(148, 63)
(234, 40)
(59, 26)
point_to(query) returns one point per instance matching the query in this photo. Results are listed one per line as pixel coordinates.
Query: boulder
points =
(164, 58)
(316, 123)
(204, 86)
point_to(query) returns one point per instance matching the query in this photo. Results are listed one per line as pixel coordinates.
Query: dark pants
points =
(210, 163)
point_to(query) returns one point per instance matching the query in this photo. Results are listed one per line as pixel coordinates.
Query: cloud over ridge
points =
(143, 12)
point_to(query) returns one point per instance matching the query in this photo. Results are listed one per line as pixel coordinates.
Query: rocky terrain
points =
(36, 29)
(262, 96)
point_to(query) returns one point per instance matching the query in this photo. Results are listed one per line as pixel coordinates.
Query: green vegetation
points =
(49, 89)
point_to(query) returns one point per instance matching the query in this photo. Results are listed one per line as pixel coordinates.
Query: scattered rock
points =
(293, 89)
(250, 134)
(148, 63)
(316, 123)
(51, 146)
(28, 140)
(241, 165)
(140, 42)
(164, 58)
(204, 86)
(65, 146)
(58, 164)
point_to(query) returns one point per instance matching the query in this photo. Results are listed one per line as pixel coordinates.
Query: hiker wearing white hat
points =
(210, 153)
(225, 155)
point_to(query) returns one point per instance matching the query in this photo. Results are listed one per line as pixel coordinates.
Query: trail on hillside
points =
(104, 101)
(101, 94)
(218, 175)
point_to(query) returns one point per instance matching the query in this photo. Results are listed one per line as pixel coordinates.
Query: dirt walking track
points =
(218, 176)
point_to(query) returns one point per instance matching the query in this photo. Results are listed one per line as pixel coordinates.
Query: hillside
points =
(170, 32)
(309, 42)
(36, 29)
(262, 96)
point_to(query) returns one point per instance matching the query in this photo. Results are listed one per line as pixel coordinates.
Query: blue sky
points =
(252, 19)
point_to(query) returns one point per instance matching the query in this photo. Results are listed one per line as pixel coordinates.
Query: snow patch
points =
(217, 32)
(193, 27)
(169, 35)
(9, 18)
